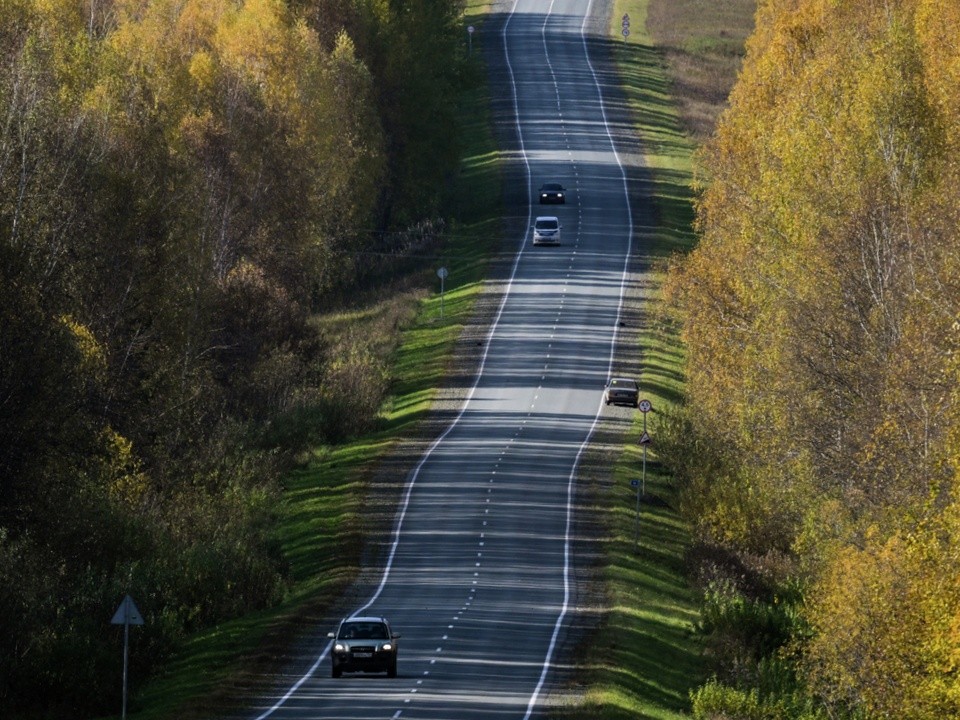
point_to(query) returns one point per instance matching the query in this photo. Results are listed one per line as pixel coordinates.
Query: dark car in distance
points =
(364, 644)
(622, 391)
(552, 193)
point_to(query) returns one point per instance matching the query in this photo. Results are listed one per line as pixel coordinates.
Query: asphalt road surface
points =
(479, 576)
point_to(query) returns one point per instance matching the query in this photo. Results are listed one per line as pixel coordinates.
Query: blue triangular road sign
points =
(127, 613)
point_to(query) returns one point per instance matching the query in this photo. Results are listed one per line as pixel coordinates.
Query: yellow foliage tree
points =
(886, 619)
(820, 319)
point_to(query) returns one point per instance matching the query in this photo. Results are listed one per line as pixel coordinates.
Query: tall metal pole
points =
(636, 522)
(442, 274)
(643, 406)
(127, 614)
(126, 657)
(641, 488)
(643, 475)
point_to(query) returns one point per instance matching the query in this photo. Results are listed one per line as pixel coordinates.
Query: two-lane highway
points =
(480, 574)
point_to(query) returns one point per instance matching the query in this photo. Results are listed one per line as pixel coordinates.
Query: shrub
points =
(777, 695)
(742, 631)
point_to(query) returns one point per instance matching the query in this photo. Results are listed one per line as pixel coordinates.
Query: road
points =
(480, 573)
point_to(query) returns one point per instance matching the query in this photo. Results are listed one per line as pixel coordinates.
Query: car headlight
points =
(340, 647)
(386, 647)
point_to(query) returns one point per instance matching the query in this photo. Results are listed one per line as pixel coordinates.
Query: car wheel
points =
(392, 670)
(336, 672)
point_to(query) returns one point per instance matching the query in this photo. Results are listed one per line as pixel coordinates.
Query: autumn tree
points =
(819, 312)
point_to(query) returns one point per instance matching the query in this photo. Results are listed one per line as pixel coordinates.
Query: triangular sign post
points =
(127, 614)
(643, 406)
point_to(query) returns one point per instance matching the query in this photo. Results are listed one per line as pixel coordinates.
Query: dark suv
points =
(552, 193)
(364, 644)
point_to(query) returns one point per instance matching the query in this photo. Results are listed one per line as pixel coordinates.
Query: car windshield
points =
(547, 224)
(364, 631)
(624, 384)
(552, 186)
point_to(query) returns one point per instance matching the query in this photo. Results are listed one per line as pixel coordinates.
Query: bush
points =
(742, 631)
(715, 701)
(352, 393)
(777, 696)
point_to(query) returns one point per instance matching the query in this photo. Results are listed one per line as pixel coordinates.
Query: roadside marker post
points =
(442, 274)
(643, 406)
(127, 614)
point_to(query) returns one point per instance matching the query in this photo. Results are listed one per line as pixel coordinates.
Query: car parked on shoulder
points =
(546, 230)
(622, 391)
(552, 193)
(364, 644)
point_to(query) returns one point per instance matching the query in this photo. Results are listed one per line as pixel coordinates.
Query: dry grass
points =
(702, 43)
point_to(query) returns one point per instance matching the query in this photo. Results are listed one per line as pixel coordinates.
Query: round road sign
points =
(626, 32)
(645, 406)
(442, 273)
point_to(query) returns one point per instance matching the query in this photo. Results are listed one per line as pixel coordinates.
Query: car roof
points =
(547, 218)
(364, 618)
(625, 381)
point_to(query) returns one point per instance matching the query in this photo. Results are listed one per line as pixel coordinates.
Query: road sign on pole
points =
(442, 274)
(127, 614)
(643, 406)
